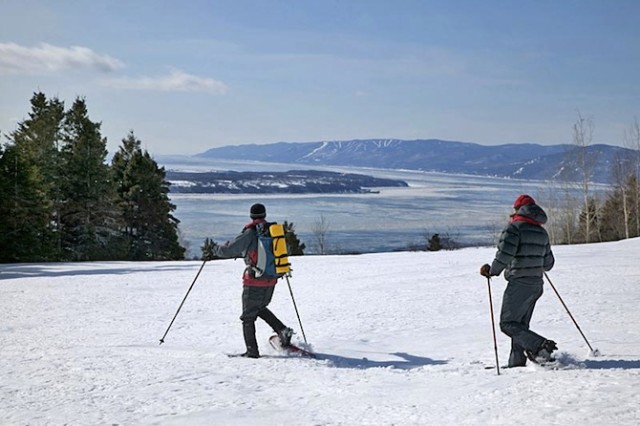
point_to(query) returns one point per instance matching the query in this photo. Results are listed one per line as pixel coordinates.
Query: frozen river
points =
(469, 209)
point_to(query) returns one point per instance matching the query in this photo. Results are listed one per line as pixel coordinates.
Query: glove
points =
(485, 270)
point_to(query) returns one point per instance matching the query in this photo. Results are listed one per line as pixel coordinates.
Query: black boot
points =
(550, 346)
(543, 354)
(249, 331)
(517, 357)
(285, 337)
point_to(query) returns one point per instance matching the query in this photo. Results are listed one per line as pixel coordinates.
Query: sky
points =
(192, 75)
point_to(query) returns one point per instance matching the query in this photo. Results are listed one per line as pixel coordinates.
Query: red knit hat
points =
(523, 200)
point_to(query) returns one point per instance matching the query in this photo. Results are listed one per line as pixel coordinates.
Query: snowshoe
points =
(291, 349)
(246, 354)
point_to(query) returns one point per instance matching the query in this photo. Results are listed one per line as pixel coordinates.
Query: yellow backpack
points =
(273, 256)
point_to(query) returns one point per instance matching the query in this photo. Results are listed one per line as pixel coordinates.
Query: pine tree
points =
(29, 192)
(150, 229)
(89, 220)
(434, 243)
(611, 227)
(208, 249)
(294, 246)
(39, 136)
(24, 210)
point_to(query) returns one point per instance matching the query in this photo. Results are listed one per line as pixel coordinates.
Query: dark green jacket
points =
(524, 252)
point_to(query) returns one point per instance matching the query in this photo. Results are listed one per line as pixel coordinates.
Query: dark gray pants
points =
(518, 303)
(254, 305)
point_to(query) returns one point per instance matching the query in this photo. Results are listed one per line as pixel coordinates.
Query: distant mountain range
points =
(522, 161)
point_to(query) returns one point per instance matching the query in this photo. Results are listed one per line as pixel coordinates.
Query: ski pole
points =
(183, 300)
(594, 352)
(296, 308)
(493, 326)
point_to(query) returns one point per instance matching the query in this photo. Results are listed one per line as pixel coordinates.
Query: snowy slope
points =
(403, 339)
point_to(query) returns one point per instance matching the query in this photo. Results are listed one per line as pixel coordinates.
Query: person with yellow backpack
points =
(257, 243)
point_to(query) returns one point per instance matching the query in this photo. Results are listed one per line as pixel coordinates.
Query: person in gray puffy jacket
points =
(524, 254)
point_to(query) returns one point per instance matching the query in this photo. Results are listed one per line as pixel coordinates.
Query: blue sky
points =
(188, 75)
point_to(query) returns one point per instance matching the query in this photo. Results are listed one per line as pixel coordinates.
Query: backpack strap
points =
(261, 227)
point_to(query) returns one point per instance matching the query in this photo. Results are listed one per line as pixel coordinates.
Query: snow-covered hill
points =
(402, 338)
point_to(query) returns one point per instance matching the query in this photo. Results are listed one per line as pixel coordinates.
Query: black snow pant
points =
(518, 303)
(254, 305)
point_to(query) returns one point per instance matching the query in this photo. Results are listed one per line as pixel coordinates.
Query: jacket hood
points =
(533, 212)
(523, 200)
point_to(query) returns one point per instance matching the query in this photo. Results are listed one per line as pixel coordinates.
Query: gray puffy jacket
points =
(524, 252)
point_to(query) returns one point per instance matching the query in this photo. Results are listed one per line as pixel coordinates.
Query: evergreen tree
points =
(89, 220)
(31, 163)
(39, 136)
(24, 209)
(208, 248)
(434, 243)
(294, 246)
(150, 229)
(611, 227)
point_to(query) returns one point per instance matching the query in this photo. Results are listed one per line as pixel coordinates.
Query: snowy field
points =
(402, 339)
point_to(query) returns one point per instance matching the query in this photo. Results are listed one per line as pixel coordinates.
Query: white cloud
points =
(46, 58)
(176, 81)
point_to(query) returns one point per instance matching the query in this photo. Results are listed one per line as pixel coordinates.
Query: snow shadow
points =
(569, 361)
(407, 361)
(13, 271)
(611, 364)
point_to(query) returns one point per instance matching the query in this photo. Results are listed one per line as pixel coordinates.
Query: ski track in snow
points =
(401, 338)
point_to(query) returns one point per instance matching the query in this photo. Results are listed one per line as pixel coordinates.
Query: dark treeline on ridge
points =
(61, 201)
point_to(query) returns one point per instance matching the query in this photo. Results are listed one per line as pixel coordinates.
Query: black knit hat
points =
(258, 211)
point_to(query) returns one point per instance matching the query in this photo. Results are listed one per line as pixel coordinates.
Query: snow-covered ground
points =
(402, 339)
